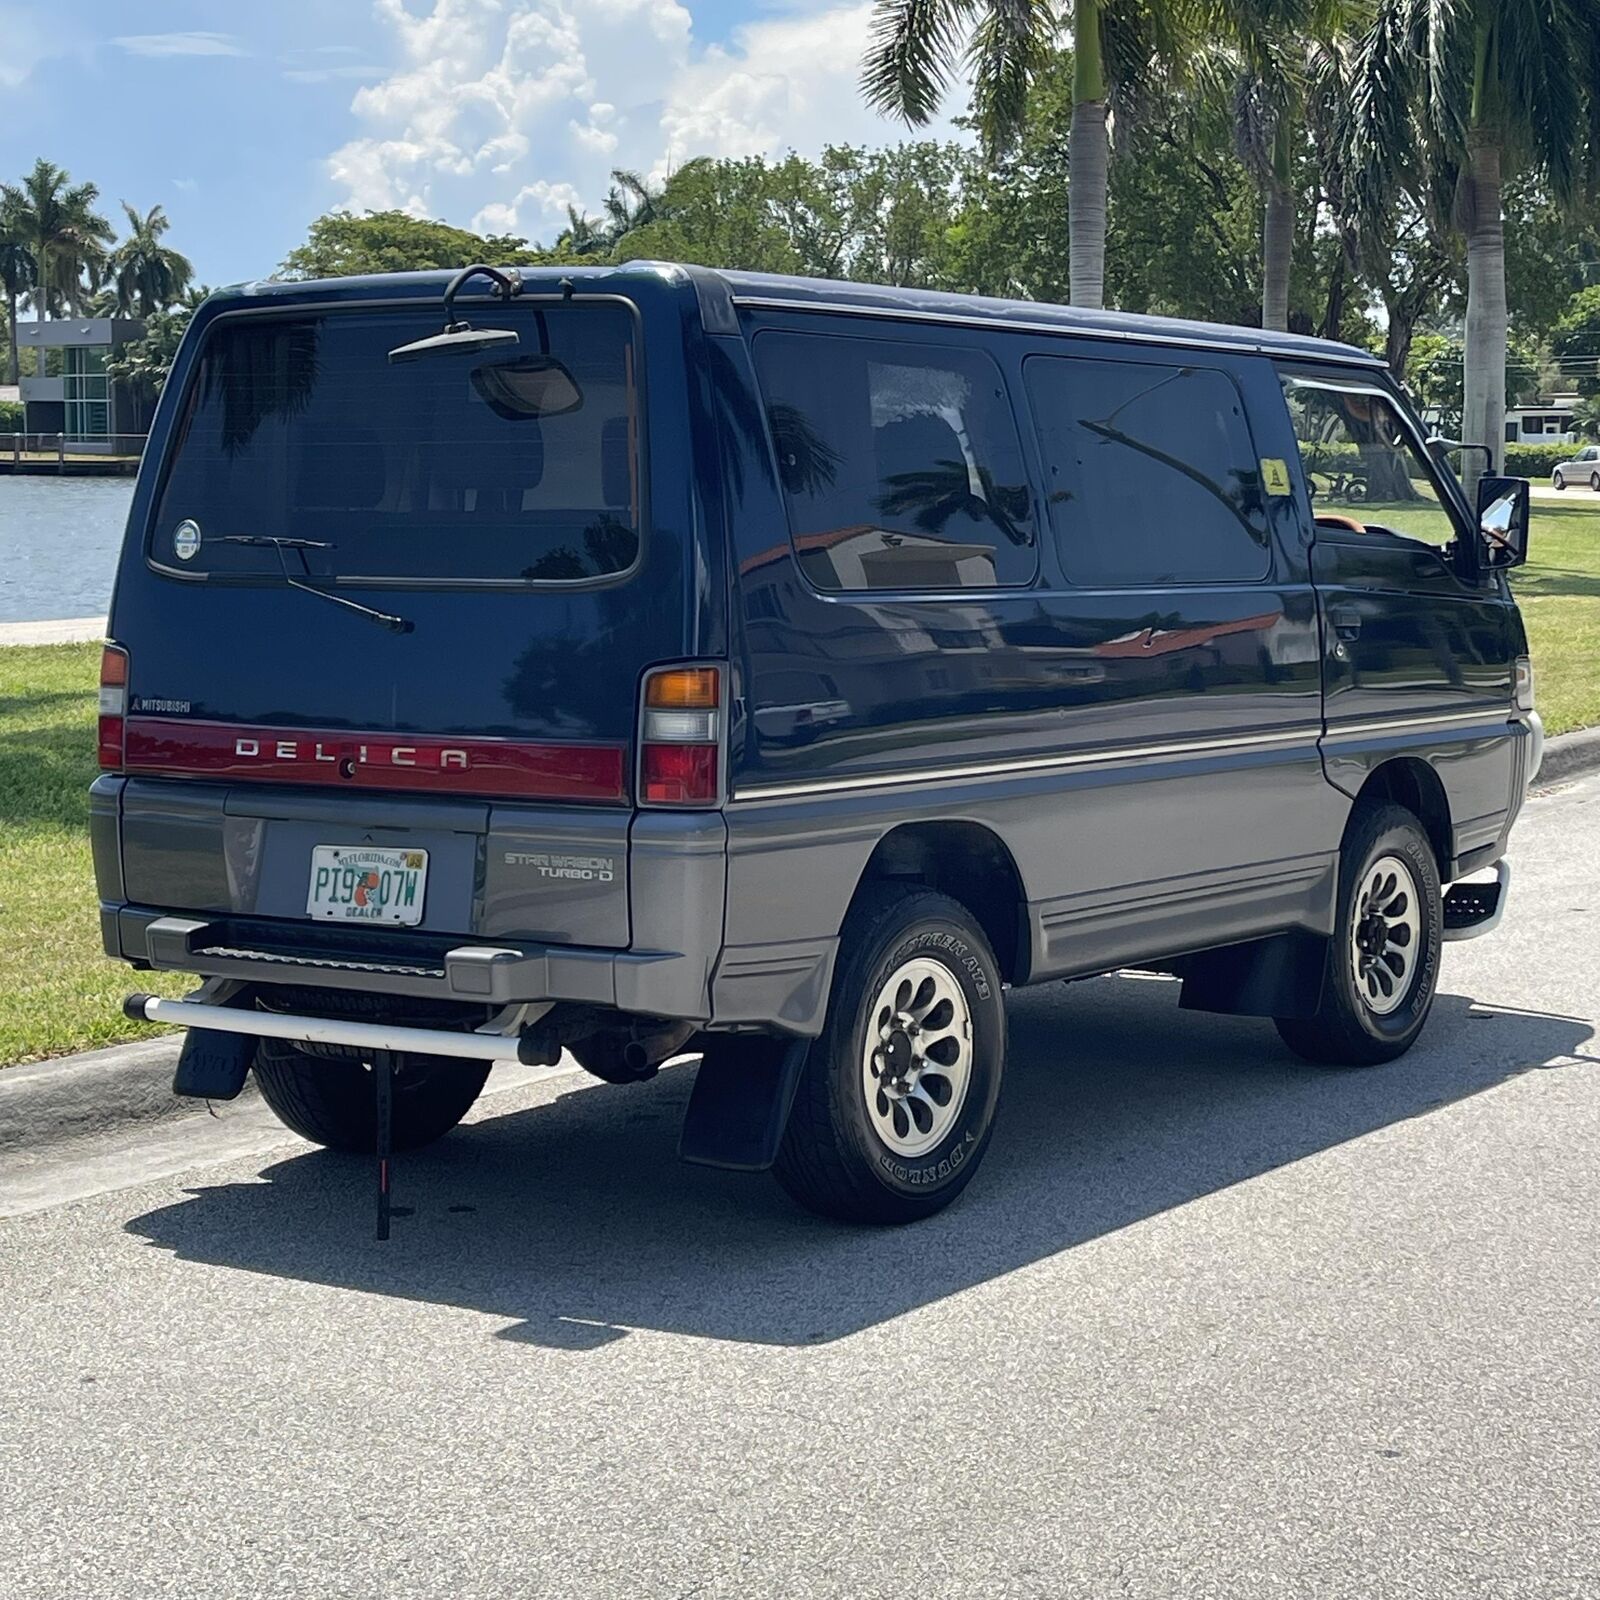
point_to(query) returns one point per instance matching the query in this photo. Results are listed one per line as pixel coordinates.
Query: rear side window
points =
(900, 463)
(1150, 470)
(515, 464)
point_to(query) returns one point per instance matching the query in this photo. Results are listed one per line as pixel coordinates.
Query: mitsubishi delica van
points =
(651, 661)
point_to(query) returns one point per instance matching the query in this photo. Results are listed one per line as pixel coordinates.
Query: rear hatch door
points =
(376, 606)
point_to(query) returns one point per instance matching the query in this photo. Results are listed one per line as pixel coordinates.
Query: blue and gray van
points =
(648, 661)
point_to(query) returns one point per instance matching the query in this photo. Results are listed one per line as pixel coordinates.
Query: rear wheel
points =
(1383, 959)
(898, 1095)
(331, 1100)
(1594, 481)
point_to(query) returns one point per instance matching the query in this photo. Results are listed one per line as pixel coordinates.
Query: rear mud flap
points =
(213, 1065)
(740, 1104)
(1279, 976)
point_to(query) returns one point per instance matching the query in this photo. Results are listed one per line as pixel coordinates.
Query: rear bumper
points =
(660, 983)
(780, 988)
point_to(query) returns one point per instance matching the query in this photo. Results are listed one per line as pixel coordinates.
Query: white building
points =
(1548, 422)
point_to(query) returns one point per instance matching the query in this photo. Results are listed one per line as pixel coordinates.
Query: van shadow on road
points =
(576, 1219)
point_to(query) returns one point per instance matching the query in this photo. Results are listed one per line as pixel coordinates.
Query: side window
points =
(1361, 462)
(900, 463)
(1151, 473)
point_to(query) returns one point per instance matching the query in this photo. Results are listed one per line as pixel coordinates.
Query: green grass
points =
(1559, 593)
(58, 992)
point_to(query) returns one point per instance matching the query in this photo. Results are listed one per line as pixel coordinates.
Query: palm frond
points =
(1013, 39)
(1540, 48)
(912, 56)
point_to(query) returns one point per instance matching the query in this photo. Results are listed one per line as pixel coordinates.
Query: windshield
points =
(519, 464)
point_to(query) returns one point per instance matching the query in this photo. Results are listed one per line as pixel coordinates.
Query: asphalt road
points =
(1209, 1323)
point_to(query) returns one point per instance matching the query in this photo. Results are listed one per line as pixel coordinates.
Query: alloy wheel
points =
(1385, 934)
(916, 1064)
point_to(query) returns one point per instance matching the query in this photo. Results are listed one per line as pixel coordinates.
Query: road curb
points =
(1569, 756)
(73, 1097)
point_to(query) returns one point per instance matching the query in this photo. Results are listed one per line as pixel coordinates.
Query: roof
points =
(826, 294)
(835, 295)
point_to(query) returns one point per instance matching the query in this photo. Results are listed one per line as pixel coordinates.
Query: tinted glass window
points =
(1362, 464)
(900, 463)
(514, 463)
(1151, 475)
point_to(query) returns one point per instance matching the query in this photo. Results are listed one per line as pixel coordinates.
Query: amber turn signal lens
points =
(683, 689)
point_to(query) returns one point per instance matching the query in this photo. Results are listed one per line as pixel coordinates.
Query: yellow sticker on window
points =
(1275, 475)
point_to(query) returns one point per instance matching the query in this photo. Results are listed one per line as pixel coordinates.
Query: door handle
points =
(1346, 621)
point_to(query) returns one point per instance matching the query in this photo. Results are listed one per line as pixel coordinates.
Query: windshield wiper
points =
(267, 541)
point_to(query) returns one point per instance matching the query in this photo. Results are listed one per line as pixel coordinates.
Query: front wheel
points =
(897, 1099)
(332, 1101)
(1383, 959)
(1594, 481)
(1558, 481)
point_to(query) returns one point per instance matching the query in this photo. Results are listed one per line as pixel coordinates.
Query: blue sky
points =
(246, 122)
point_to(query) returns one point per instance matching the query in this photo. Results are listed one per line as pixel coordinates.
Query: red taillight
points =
(680, 737)
(113, 706)
(679, 774)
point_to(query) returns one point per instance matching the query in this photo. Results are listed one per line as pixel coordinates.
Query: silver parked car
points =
(1582, 468)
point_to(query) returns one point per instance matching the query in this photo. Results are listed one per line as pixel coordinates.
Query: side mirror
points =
(1503, 514)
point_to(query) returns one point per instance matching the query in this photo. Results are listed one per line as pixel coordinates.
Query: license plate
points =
(355, 883)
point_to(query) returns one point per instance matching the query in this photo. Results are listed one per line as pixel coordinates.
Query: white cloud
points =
(508, 110)
(26, 43)
(549, 203)
(180, 44)
(185, 185)
(355, 71)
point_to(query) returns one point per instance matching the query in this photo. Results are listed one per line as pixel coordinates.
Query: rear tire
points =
(1594, 481)
(897, 1098)
(331, 1100)
(1383, 959)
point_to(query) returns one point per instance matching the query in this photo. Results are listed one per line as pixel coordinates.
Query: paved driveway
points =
(1209, 1323)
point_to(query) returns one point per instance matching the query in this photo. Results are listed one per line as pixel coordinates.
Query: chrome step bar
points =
(366, 1036)
(1473, 906)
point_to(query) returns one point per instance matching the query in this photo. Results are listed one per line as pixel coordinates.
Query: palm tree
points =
(583, 235)
(147, 276)
(912, 57)
(64, 234)
(1120, 44)
(1464, 88)
(1287, 57)
(16, 275)
(630, 203)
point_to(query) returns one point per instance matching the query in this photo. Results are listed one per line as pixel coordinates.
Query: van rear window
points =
(516, 464)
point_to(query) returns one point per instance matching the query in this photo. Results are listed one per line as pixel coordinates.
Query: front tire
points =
(1594, 481)
(332, 1102)
(1558, 481)
(897, 1098)
(1383, 959)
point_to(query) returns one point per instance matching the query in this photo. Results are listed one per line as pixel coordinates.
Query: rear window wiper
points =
(267, 541)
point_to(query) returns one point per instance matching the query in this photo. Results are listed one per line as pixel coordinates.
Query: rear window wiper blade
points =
(267, 541)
